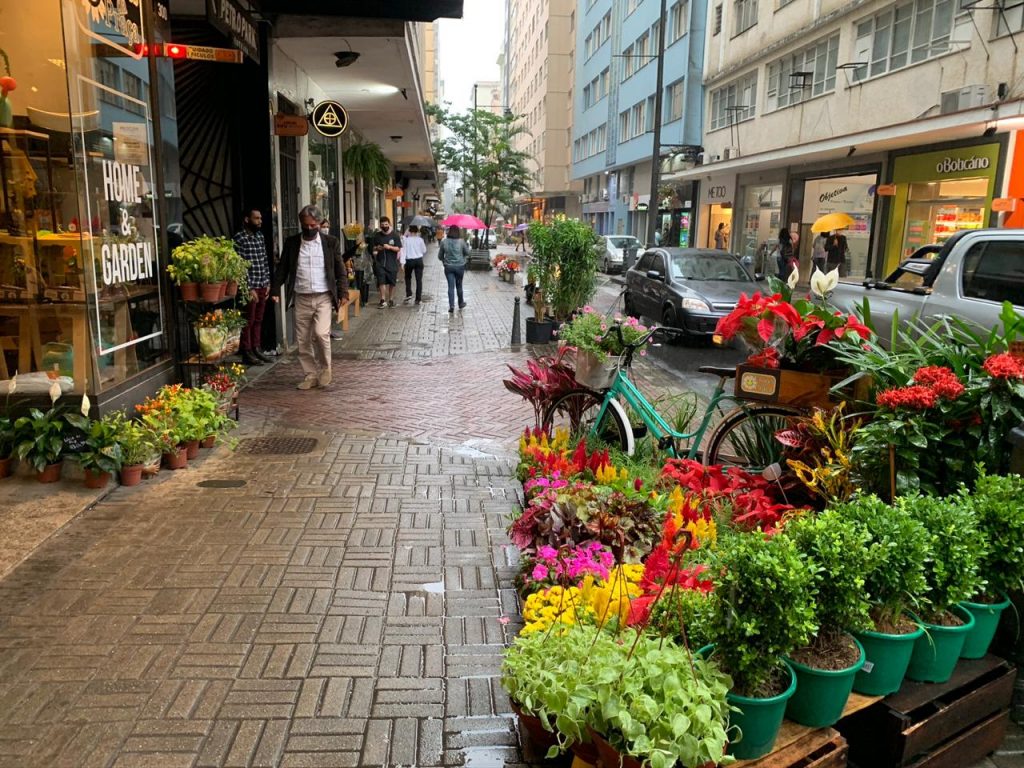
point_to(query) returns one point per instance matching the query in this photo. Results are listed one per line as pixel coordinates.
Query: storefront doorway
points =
(762, 219)
(853, 195)
(719, 216)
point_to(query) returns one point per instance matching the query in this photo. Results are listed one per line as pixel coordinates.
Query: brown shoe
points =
(311, 381)
(325, 377)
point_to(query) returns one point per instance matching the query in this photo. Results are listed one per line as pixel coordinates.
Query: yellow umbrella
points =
(831, 221)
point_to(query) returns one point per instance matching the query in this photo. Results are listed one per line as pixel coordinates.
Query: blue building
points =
(613, 110)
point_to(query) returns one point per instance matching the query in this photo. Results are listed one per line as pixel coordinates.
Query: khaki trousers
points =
(313, 312)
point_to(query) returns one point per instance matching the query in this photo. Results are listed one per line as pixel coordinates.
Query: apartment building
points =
(903, 114)
(613, 111)
(538, 84)
(486, 94)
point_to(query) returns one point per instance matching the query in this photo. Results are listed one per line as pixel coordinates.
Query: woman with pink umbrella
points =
(453, 253)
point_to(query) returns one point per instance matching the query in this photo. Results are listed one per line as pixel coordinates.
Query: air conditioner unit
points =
(730, 153)
(968, 97)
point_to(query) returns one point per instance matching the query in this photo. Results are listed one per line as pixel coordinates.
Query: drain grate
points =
(277, 446)
(221, 483)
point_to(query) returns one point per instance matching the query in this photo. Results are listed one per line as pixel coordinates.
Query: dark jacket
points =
(287, 267)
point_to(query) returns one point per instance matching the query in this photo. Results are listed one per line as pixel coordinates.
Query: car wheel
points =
(668, 319)
(627, 306)
(604, 267)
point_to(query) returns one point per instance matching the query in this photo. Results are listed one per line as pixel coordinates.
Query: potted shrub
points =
(184, 271)
(998, 503)
(137, 447)
(236, 273)
(160, 415)
(204, 260)
(951, 575)
(564, 267)
(842, 553)
(765, 609)
(39, 440)
(102, 455)
(598, 345)
(894, 580)
(6, 446)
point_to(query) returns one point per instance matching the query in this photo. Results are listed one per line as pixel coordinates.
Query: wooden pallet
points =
(942, 725)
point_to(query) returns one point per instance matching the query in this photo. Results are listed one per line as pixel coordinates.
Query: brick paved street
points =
(339, 607)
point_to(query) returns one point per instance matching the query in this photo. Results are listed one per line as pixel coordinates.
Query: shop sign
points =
(290, 125)
(967, 162)
(885, 190)
(948, 165)
(209, 53)
(116, 22)
(131, 143)
(231, 19)
(1004, 204)
(719, 191)
(330, 119)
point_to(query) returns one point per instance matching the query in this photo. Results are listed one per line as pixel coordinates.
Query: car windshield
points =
(690, 266)
(622, 242)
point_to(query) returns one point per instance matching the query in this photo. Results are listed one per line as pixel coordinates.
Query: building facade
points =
(903, 115)
(613, 111)
(538, 66)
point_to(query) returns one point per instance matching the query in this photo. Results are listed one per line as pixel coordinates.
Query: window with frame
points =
(1010, 18)
(624, 126)
(641, 49)
(716, 27)
(109, 75)
(632, 5)
(649, 114)
(638, 119)
(136, 88)
(628, 66)
(804, 74)
(673, 104)
(993, 272)
(603, 82)
(677, 20)
(655, 32)
(734, 102)
(746, 15)
(588, 46)
(906, 33)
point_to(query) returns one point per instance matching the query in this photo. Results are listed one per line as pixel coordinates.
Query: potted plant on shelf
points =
(842, 553)
(598, 345)
(138, 444)
(998, 503)
(236, 273)
(102, 455)
(39, 440)
(205, 259)
(224, 384)
(764, 610)
(892, 584)
(951, 575)
(184, 271)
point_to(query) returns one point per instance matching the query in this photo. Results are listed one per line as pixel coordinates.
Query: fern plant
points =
(365, 160)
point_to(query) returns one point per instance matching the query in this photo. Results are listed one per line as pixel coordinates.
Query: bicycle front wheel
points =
(577, 410)
(746, 437)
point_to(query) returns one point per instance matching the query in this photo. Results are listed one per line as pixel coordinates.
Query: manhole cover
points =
(276, 446)
(221, 483)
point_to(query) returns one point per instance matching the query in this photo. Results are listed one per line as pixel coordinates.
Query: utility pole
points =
(653, 205)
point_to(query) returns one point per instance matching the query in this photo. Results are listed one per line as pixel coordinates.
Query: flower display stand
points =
(927, 725)
(783, 386)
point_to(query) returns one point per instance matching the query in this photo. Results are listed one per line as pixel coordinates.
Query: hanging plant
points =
(366, 161)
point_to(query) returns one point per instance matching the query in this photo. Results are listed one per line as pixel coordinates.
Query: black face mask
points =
(310, 233)
(385, 228)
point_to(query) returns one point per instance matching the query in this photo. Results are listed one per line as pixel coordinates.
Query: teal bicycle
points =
(744, 435)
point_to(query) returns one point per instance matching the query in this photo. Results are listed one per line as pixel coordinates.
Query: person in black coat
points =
(313, 272)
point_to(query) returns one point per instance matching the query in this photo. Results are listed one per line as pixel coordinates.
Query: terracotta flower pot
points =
(131, 475)
(5, 466)
(97, 480)
(231, 289)
(541, 737)
(176, 459)
(189, 291)
(210, 292)
(222, 289)
(192, 449)
(51, 474)
(209, 441)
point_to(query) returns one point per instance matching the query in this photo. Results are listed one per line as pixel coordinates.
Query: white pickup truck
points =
(970, 277)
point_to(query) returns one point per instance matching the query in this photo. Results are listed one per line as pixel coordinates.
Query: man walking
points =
(314, 273)
(386, 244)
(252, 247)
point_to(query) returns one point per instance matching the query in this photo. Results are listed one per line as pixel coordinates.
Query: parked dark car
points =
(687, 288)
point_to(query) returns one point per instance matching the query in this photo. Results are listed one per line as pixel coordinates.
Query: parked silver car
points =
(615, 247)
(687, 288)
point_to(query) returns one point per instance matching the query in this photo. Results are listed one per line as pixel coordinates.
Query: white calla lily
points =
(54, 392)
(12, 385)
(86, 405)
(823, 284)
(794, 279)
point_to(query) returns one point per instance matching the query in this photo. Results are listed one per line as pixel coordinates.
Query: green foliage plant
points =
(765, 599)
(842, 552)
(566, 255)
(137, 441)
(955, 550)
(203, 260)
(999, 510)
(365, 160)
(102, 449)
(590, 331)
(7, 435)
(684, 615)
(896, 580)
(39, 437)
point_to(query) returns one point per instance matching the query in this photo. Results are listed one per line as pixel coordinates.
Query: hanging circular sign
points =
(330, 119)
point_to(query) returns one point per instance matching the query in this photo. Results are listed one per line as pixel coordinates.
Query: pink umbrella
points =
(463, 220)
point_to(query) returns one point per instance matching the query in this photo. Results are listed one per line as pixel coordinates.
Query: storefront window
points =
(762, 219)
(323, 178)
(937, 209)
(852, 195)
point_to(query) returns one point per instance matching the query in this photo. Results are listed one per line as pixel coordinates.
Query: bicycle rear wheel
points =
(576, 411)
(746, 437)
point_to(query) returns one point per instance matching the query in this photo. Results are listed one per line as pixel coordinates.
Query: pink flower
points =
(540, 572)
(547, 553)
(503, 619)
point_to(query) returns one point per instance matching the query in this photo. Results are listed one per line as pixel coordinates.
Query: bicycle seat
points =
(725, 373)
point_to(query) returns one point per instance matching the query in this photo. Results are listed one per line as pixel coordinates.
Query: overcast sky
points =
(469, 49)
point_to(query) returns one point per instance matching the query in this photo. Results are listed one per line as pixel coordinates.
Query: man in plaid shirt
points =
(253, 248)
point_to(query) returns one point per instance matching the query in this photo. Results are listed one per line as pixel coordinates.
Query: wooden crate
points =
(935, 725)
(800, 747)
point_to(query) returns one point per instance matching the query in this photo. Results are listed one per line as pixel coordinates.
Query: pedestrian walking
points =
(784, 254)
(314, 274)
(721, 237)
(251, 246)
(413, 251)
(836, 252)
(453, 254)
(818, 255)
(386, 243)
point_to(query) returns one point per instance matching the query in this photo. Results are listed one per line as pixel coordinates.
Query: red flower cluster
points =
(1004, 366)
(751, 496)
(915, 398)
(941, 379)
(767, 308)
(584, 461)
(766, 358)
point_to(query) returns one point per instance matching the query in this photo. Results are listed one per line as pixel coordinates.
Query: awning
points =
(406, 10)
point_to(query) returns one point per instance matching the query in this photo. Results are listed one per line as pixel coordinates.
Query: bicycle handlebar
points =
(617, 328)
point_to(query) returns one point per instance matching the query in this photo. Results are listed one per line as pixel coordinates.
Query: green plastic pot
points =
(758, 720)
(821, 694)
(887, 659)
(937, 651)
(986, 621)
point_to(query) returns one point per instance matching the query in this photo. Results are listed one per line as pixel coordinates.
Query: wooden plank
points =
(913, 695)
(820, 747)
(970, 746)
(959, 713)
